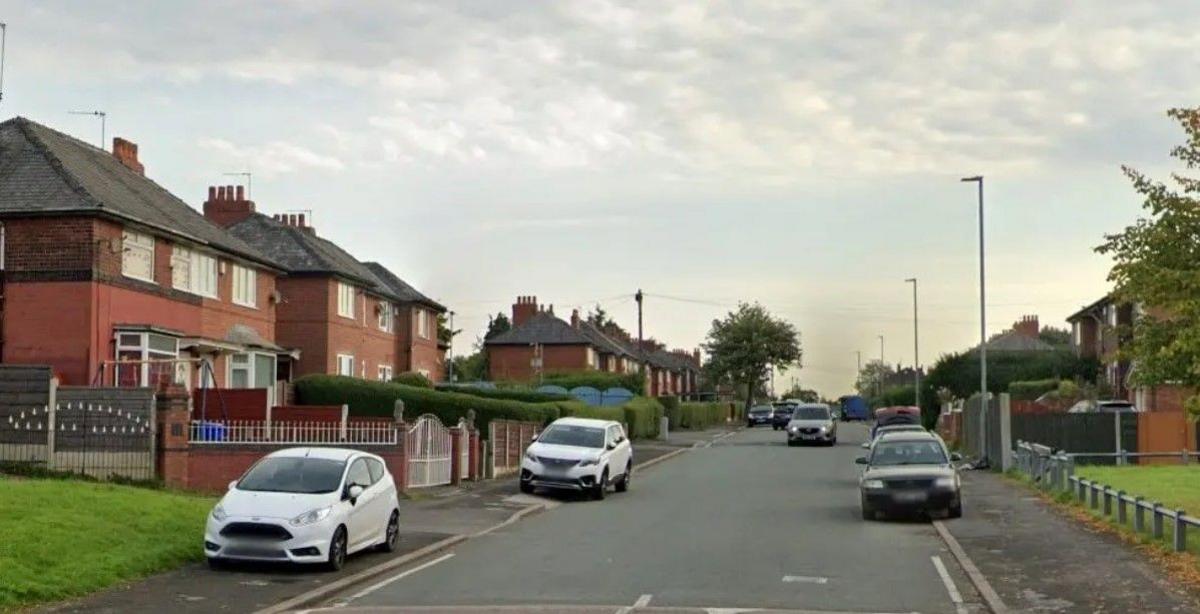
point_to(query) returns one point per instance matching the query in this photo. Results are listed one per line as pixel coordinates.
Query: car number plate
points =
(910, 496)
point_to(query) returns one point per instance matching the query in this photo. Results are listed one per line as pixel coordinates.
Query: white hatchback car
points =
(579, 454)
(305, 505)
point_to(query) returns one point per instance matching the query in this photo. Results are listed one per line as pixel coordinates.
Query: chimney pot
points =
(301, 220)
(212, 193)
(220, 193)
(240, 194)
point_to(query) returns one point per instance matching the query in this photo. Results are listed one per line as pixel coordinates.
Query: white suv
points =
(579, 454)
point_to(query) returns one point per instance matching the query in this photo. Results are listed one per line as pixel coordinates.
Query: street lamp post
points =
(916, 346)
(978, 180)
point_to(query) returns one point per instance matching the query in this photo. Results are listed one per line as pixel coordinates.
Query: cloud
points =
(271, 159)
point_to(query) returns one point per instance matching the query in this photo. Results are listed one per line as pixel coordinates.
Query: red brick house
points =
(111, 279)
(345, 317)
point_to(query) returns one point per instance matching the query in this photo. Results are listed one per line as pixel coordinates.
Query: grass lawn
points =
(65, 538)
(1175, 486)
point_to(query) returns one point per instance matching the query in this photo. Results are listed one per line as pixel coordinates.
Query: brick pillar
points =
(455, 455)
(474, 454)
(173, 415)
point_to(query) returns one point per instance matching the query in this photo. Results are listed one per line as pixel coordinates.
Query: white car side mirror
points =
(354, 492)
(866, 445)
(233, 485)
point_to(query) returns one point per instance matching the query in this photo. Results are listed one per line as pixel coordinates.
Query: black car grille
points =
(910, 483)
(561, 463)
(255, 552)
(809, 430)
(256, 530)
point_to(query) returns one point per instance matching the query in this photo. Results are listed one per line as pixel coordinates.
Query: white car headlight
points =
(872, 484)
(529, 456)
(218, 513)
(946, 482)
(588, 462)
(310, 517)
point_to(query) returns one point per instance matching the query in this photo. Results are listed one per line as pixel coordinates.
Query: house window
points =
(345, 365)
(591, 357)
(422, 323)
(345, 304)
(181, 268)
(245, 286)
(1112, 315)
(147, 359)
(137, 257)
(1076, 335)
(253, 370)
(240, 369)
(386, 314)
(193, 271)
(385, 373)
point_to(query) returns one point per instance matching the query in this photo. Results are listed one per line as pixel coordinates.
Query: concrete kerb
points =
(320, 594)
(990, 597)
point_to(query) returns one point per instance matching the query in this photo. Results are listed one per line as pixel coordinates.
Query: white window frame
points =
(387, 317)
(205, 270)
(1076, 333)
(344, 360)
(345, 300)
(133, 242)
(422, 323)
(385, 373)
(181, 268)
(147, 353)
(1112, 315)
(245, 286)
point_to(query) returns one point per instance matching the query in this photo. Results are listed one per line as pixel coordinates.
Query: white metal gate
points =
(464, 456)
(427, 445)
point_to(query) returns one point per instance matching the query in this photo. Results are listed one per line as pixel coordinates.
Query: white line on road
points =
(806, 579)
(641, 602)
(990, 597)
(378, 585)
(949, 582)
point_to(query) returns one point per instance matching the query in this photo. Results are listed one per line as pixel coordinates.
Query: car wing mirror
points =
(534, 437)
(862, 460)
(353, 492)
(611, 446)
(233, 485)
(955, 457)
(866, 445)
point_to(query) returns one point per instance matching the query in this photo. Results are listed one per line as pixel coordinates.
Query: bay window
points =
(146, 359)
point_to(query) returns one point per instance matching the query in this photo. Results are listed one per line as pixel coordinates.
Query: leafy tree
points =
(445, 335)
(803, 394)
(471, 368)
(1055, 336)
(872, 378)
(1157, 266)
(599, 318)
(497, 325)
(742, 346)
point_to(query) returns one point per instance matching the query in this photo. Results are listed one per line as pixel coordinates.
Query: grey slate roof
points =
(544, 328)
(601, 340)
(300, 251)
(400, 288)
(46, 172)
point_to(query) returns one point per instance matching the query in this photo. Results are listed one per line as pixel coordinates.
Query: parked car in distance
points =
(812, 422)
(854, 407)
(899, 414)
(909, 472)
(579, 454)
(894, 428)
(1087, 406)
(781, 414)
(759, 414)
(305, 505)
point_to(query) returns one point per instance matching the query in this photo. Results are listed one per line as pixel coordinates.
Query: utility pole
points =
(858, 373)
(882, 365)
(978, 180)
(916, 347)
(450, 346)
(103, 123)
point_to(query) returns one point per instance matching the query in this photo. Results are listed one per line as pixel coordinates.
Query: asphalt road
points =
(745, 523)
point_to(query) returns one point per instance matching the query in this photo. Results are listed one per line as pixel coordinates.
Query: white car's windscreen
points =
(295, 474)
(571, 435)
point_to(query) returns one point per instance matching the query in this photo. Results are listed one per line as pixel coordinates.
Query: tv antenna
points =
(248, 177)
(103, 116)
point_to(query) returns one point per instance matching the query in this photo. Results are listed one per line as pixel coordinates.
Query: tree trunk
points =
(749, 396)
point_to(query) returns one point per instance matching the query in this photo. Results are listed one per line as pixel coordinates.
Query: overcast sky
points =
(804, 155)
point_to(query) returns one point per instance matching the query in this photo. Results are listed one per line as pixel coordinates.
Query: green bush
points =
(671, 407)
(412, 378)
(699, 416)
(368, 398)
(583, 410)
(525, 395)
(1029, 390)
(642, 417)
(633, 382)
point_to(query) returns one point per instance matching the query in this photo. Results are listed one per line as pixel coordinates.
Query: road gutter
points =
(322, 593)
(990, 597)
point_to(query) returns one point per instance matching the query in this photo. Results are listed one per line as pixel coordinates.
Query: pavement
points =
(1039, 560)
(429, 516)
(745, 522)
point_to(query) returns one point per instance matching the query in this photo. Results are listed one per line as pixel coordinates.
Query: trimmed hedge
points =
(633, 382)
(595, 411)
(525, 395)
(699, 416)
(1029, 390)
(672, 410)
(368, 398)
(412, 378)
(642, 417)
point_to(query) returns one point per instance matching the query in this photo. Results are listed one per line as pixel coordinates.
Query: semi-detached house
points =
(111, 279)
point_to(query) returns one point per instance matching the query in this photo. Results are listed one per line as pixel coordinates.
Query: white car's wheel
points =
(392, 538)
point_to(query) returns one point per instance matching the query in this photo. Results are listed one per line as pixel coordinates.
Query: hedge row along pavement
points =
(525, 395)
(699, 416)
(633, 382)
(368, 398)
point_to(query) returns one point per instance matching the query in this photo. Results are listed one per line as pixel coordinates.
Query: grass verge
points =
(65, 538)
(1175, 486)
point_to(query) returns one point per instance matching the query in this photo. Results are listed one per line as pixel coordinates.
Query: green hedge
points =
(594, 411)
(672, 409)
(1029, 390)
(642, 417)
(525, 395)
(699, 416)
(412, 378)
(368, 398)
(633, 382)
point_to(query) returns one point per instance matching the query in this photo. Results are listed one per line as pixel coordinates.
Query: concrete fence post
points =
(1117, 436)
(1139, 515)
(1082, 491)
(1093, 496)
(1180, 531)
(1107, 501)
(1122, 510)
(345, 418)
(51, 422)
(1156, 520)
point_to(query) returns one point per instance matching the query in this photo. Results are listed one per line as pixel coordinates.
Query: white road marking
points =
(982, 586)
(955, 596)
(806, 579)
(641, 602)
(408, 572)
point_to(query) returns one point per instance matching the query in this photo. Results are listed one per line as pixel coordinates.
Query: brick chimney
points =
(227, 205)
(574, 317)
(523, 309)
(1027, 326)
(126, 153)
